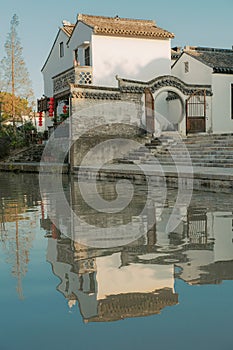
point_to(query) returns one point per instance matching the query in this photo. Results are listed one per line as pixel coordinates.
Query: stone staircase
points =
(169, 149)
(31, 154)
(146, 152)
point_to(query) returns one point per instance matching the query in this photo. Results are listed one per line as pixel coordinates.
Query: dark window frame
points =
(87, 56)
(61, 49)
(76, 55)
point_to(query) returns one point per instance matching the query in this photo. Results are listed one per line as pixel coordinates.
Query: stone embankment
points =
(199, 161)
(28, 160)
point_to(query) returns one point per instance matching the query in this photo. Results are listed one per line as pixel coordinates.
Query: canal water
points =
(158, 289)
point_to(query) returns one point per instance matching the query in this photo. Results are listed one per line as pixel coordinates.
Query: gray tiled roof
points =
(221, 60)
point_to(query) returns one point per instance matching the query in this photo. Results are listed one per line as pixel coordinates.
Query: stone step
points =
(31, 154)
(209, 148)
(197, 159)
(208, 144)
(201, 150)
(203, 164)
(210, 136)
(194, 151)
(196, 156)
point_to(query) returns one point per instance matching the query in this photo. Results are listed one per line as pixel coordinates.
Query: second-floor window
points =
(186, 67)
(61, 49)
(87, 58)
(76, 55)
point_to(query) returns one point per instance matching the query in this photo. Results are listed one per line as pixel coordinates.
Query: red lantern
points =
(40, 122)
(51, 106)
(65, 109)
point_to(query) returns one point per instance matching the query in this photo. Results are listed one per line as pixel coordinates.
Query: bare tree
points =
(15, 76)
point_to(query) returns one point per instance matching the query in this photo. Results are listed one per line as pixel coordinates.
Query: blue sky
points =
(203, 23)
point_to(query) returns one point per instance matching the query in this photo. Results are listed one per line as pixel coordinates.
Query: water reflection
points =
(138, 278)
(17, 226)
(127, 280)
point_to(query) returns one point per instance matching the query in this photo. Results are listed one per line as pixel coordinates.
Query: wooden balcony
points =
(80, 75)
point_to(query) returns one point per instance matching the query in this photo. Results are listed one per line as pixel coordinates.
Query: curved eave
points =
(134, 33)
(221, 70)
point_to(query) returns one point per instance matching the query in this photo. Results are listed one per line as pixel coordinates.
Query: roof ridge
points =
(206, 49)
(124, 26)
(82, 16)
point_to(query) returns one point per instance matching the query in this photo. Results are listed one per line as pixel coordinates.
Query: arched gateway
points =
(170, 104)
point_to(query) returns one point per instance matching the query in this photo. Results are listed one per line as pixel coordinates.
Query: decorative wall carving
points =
(160, 82)
(77, 75)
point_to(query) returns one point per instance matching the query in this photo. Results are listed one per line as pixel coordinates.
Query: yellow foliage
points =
(21, 106)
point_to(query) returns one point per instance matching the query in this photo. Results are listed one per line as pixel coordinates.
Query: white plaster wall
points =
(221, 103)
(170, 113)
(191, 270)
(209, 120)
(223, 246)
(55, 63)
(87, 302)
(174, 110)
(81, 33)
(139, 59)
(113, 279)
(198, 73)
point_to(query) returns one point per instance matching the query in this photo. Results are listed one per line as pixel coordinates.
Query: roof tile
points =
(68, 29)
(221, 60)
(124, 27)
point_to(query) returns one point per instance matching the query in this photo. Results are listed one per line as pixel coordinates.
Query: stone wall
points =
(100, 115)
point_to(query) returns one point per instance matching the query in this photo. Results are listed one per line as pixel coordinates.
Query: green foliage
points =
(12, 139)
(63, 116)
(4, 145)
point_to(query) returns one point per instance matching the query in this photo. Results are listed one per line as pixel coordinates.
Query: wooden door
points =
(196, 113)
(150, 105)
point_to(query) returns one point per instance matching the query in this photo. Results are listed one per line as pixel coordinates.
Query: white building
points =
(97, 49)
(213, 67)
(188, 90)
(105, 47)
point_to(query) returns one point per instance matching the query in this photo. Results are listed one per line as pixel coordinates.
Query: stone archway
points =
(169, 108)
(173, 89)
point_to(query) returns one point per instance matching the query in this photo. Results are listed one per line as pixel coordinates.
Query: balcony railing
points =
(79, 75)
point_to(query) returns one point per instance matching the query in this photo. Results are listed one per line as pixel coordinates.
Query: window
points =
(76, 60)
(61, 49)
(186, 67)
(87, 56)
(231, 101)
(76, 55)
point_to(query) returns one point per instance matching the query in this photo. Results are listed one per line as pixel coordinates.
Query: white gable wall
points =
(221, 103)
(55, 63)
(132, 58)
(81, 33)
(199, 73)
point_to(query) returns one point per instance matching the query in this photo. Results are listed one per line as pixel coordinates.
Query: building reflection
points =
(110, 285)
(138, 278)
